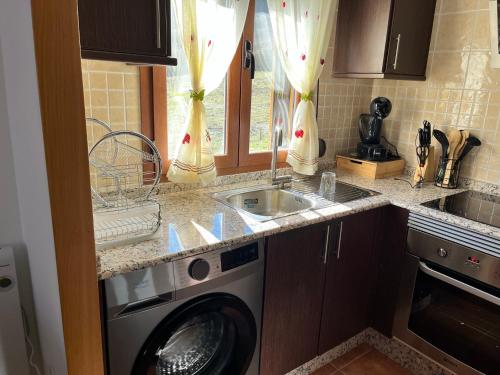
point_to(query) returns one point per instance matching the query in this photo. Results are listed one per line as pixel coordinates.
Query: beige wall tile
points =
(455, 32)
(481, 37)
(458, 5)
(114, 91)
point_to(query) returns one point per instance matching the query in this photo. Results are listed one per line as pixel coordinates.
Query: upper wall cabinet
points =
(136, 31)
(383, 38)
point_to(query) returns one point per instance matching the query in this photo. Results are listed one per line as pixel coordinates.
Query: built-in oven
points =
(449, 300)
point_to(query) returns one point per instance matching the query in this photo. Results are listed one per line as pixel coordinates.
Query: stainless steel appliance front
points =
(449, 304)
(213, 299)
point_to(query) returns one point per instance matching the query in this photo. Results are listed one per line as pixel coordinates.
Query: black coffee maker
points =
(370, 127)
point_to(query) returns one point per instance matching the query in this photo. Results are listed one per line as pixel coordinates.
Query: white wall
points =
(24, 200)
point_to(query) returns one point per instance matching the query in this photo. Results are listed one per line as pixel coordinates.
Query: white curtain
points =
(210, 31)
(301, 30)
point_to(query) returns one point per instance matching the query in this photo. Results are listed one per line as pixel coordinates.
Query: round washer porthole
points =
(209, 335)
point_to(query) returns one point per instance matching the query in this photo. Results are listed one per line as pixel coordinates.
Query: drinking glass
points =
(327, 186)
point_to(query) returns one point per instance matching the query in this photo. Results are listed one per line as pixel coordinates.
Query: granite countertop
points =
(194, 223)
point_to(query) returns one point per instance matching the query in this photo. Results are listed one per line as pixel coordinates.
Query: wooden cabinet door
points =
(349, 280)
(410, 37)
(292, 299)
(390, 249)
(125, 30)
(361, 36)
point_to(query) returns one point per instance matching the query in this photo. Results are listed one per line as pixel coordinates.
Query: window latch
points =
(249, 59)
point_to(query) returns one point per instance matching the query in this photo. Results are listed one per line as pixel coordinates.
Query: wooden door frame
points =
(57, 50)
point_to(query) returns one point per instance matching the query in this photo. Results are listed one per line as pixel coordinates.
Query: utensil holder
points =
(447, 173)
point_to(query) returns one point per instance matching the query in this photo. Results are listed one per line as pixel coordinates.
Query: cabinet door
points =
(125, 30)
(410, 37)
(292, 299)
(361, 36)
(390, 249)
(350, 277)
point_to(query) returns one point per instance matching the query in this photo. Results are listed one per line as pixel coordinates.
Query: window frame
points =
(238, 158)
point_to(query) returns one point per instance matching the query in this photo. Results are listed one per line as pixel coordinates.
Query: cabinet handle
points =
(325, 255)
(340, 240)
(158, 26)
(395, 64)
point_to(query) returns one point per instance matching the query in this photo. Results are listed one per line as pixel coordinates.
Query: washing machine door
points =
(212, 334)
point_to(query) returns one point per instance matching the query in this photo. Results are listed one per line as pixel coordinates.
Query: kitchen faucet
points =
(277, 141)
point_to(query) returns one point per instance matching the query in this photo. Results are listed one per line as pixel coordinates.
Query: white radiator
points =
(13, 357)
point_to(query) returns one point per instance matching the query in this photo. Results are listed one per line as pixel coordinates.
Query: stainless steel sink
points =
(267, 202)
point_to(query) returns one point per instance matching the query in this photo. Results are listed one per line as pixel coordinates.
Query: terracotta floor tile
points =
(325, 370)
(374, 363)
(350, 356)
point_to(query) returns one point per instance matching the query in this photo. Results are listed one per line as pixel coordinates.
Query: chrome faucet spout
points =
(277, 141)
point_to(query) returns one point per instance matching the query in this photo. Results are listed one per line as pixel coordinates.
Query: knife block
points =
(427, 171)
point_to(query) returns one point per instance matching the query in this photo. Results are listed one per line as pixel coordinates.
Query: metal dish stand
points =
(125, 169)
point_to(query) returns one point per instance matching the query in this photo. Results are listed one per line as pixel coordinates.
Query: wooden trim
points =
(233, 92)
(57, 49)
(133, 58)
(146, 100)
(246, 158)
(160, 114)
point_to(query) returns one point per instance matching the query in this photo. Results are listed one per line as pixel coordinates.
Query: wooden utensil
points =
(454, 139)
(470, 143)
(460, 148)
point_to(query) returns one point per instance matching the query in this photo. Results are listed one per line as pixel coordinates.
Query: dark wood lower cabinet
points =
(312, 304)
(390, 249)
(292, 298)
(350, 273)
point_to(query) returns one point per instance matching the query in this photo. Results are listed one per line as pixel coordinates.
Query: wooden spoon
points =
(455, 139)
(460, 148)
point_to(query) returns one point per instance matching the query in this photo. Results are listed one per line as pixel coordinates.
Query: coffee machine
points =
(370, 127)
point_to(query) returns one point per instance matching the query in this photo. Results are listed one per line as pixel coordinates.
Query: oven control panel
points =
(462, 259)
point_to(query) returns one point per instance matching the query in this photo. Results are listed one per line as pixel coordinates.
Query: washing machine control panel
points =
(240, 256)
(201, 268)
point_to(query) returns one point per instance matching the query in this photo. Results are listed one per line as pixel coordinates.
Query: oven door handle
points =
(459, 284)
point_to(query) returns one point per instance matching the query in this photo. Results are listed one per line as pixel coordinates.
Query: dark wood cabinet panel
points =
(313, 303)
(126, 30)
(383, 38)
(410, 37)
(389, 250)
(292, 299)
(350, 276)
(361, 36)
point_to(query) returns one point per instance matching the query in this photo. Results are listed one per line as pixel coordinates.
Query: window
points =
(240, 112)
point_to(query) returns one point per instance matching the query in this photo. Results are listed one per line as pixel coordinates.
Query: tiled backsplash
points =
(111, 94)
(461, 91)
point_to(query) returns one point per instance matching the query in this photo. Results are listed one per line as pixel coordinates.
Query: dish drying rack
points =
(125, 169)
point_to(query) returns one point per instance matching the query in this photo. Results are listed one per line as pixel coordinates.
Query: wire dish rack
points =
(125, 169)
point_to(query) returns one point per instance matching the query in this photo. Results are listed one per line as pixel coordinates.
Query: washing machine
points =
(194, 316)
